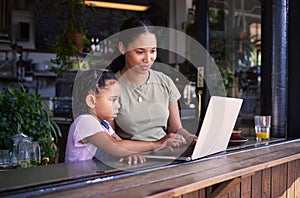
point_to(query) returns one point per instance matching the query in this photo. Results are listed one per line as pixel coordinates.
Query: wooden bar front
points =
(268, 171)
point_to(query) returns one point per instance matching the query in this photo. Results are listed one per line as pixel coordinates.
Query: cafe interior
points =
(249, 46)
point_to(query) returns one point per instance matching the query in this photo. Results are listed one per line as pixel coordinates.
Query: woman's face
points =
(141, 53)
(107, 102)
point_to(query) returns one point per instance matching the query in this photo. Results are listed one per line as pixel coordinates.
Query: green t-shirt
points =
(144, 109)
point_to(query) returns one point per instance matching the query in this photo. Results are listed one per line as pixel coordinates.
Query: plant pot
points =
(77, 38)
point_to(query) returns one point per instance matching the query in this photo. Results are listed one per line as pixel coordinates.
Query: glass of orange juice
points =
(262, 127)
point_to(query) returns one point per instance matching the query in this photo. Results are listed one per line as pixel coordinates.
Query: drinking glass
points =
(262, 127)
(4, 158)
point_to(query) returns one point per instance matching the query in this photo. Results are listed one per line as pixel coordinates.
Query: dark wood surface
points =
(248, 172)
(188, 179)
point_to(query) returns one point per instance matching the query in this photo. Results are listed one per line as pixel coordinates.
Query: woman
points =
(149, 99)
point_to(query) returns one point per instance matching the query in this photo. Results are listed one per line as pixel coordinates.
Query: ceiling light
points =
(122, 6)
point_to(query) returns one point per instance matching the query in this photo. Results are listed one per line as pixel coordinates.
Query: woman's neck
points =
(134, 77)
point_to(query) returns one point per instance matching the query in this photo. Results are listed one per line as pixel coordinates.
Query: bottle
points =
(26, 153)
(15, 153)
(25, 150)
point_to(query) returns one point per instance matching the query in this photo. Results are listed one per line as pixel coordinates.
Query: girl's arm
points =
(121, 148)
(175, 126)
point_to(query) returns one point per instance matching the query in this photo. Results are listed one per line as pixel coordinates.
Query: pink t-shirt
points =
(82, 127)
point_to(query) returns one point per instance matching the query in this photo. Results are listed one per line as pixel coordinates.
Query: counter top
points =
(57, 178)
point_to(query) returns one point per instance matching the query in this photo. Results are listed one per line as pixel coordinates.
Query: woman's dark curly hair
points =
(86, 81)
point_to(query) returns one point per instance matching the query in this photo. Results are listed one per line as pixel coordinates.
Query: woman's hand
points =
(192, 139)
(133, 159)
(171, 140)
(175, 140)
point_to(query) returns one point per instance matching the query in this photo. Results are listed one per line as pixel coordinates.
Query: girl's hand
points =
(133, 159)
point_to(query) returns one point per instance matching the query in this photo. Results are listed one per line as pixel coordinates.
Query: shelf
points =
(38, 51)
(44, 74)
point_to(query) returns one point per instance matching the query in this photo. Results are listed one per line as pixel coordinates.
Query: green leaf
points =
(32, 114)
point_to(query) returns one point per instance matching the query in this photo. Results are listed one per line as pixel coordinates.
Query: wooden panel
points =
(266, 181)
(291, 178)
(283, 179)
(226, 187)
(256, 188)
(222, 196)
(246, 187)
(297, 182)
(279, 180)
(236, 192)
(194, 194)
(202, 193)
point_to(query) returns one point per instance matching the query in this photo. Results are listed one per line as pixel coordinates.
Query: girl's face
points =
(141, 53)
(107, 102)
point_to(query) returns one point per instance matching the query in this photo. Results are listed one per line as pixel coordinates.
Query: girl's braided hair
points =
(86, 81)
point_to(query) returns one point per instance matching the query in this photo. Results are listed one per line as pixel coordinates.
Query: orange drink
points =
(262, 127)
(262, 133)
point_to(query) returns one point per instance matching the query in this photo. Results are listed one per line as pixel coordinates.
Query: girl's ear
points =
(90, 100)
(121, 48)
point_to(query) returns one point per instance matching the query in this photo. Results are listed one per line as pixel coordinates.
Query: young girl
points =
(96, 103)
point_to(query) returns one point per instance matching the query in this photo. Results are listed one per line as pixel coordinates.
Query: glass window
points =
(234, 43)
(235, 46)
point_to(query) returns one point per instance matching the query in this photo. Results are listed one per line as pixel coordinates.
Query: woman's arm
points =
(175, 126)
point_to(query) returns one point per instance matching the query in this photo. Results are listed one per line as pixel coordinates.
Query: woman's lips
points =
(145, 67)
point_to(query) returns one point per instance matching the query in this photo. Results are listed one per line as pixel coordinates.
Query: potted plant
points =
(73, 39)
(19, 108)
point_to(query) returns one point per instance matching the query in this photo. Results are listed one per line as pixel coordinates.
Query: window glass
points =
(234, 43)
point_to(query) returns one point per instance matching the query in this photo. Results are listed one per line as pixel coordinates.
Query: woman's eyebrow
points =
(143, 48)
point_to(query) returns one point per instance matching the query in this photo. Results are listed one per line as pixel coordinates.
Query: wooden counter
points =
(263, 171)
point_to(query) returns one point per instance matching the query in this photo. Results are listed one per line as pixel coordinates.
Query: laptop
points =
(214, 134)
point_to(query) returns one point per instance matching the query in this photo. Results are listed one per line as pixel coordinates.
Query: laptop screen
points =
(217, 126)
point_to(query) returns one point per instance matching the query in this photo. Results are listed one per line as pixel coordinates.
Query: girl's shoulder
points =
(85, 118)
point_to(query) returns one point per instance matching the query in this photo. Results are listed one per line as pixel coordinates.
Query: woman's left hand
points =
(176, 141)
(133, 159)
(192, 139)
